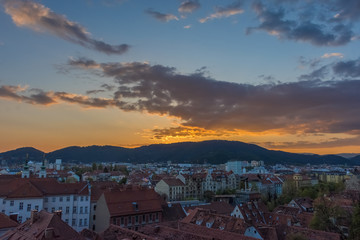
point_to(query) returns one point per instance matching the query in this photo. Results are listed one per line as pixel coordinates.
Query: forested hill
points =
(214, 152)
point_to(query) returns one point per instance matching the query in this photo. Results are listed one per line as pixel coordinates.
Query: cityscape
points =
(183, 119)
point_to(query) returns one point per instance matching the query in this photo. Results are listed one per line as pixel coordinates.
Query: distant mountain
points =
(214, 152)
(19, 154)
(356, 159)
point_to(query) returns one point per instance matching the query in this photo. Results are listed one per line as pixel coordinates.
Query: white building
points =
(20, 196)
(238, 167)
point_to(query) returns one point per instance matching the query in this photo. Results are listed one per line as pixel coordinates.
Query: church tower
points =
(42, 173)
(26, 171)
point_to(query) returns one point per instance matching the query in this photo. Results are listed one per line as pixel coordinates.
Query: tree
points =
(94, 167)
(208, 196)
(123, 180)
(355, 224)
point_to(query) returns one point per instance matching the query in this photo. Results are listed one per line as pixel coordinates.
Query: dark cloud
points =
(94, 91)
(348, 68)
(36, 96)
(319, 34)
(340, 69)
(224, 12)
(163, 17)
(189, 6)
(330, 143)
(310, 106)
(33, 15)
(108, 87)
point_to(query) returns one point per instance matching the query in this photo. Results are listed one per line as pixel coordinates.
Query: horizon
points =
(134, 147)
(280, 74)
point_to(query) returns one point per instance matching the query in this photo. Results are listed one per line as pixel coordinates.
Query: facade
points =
(219, 181)
(236, 167)
(130, 207)
(22, 195)
(172, 188)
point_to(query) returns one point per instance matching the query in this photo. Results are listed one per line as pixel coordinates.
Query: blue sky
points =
(278, 73)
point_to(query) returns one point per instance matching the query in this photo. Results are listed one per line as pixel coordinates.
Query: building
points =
(43, 225)
(173, 189)
(130, 207)
(22, 195)
(237, 167)
(219, 181)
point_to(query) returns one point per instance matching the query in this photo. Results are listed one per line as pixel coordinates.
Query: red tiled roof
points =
(120, 201)
(218, 207)
(36, 230)
(173, 182)
(6, 222)
(38, 187)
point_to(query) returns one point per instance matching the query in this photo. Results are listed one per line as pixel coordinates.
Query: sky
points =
(282, 74)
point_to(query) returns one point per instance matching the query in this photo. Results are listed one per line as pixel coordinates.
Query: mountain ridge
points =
(213, 151)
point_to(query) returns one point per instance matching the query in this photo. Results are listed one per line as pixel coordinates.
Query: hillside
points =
(214, 152)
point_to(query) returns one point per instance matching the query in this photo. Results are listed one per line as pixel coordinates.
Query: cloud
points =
(40, 97)
(331, 143)
(39, 18)
(310, 106)
(330, 55)
(163, 17)
(189, 6)
(35, 96)
(319, 34)
(89, 92)
(187, 26)
(340, 69)
(224, 12)
(184, 132)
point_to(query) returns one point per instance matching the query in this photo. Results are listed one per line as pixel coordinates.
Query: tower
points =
(26, 172)
(42, 173)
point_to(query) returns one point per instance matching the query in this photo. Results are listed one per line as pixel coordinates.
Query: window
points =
(94, 207)
(94, 217)
(60, 208)
(54, 199)
(114, 221)
(157, 217)
(80, 222)
(46, 209)
(81, 210)
(37, 207)
(85, 222)
(73, 222)
(136, 219)
(129, 220)
(53, 209)
(67, 220)
(20, 219)
(87, 198)
(68, 198)
(75, 198)
(21, 206)
(82, 198)
(122, 220)
(86, 209)
(46, 199)
(12, 203)
(61, 199)
(3, 211)
(144, 218)
(29, 207)
(4, 202)
(67, 209)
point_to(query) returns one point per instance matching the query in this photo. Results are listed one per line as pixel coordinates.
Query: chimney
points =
(135, 206)
(58, 213)
(49, 233)
(34, 216)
